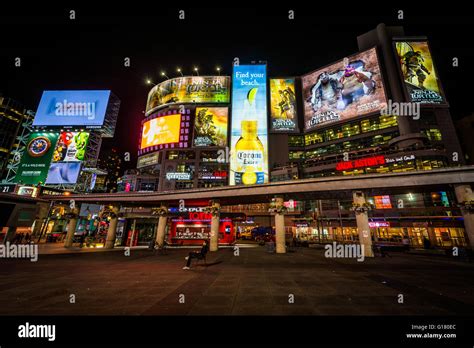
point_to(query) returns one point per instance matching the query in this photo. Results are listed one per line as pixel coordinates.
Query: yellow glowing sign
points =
(161, 130)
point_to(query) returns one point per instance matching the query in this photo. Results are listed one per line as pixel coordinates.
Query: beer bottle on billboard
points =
(249, 149)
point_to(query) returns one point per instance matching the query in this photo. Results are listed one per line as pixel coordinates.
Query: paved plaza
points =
(254, 283)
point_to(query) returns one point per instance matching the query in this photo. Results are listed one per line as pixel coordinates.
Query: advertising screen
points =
(35, 160)
(382, 202)
(148, 160)
(210, 127)
(63, 173)
(419, 76)
(71, 147)
(283, 105)
(189, 89)
(249, 135)
(161, 130)
(346, 89)
(72, 108)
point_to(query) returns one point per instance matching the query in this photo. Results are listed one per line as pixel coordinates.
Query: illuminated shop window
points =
(387, 121)
(433, 134)
(295, 155)
(296, 141)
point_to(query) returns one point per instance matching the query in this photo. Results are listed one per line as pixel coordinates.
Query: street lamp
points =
(219, 70)
(196, 70)
(149, 82)
(164, 74)
(179, 70)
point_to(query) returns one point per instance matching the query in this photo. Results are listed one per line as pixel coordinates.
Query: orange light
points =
(161, 130)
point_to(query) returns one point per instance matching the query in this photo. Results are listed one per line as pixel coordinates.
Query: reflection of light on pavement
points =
(247, 245)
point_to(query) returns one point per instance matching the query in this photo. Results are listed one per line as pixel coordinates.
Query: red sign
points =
(382, 202)
(361, 163)
(199, 216)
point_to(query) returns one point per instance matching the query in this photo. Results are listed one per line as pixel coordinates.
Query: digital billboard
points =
(161, 130)
(71, 147)
(36, 158)
(72, 108)
(189, 89)
(419, 75)
(283, 114)
(210, 126)
(249, 135)
(343, 90)
(63, 173)
(148, 160)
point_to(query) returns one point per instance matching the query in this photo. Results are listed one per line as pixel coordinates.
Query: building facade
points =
(15, 127)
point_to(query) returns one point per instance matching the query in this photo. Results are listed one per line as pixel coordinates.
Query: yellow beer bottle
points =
(249, 150)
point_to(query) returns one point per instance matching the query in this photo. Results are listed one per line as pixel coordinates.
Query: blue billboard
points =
(72, 108)
(249, 134)
(63, 173)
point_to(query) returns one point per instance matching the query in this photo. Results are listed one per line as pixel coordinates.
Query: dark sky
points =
(88, 52)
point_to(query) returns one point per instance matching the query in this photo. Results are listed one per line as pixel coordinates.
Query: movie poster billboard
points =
(85, 109)
(189, 89)
(418, 72)
(71, 147)
(210, 126)
(36, 158)
(249, 135)
(65, 173)
(343, 90)
(283, 115)
(161, 130)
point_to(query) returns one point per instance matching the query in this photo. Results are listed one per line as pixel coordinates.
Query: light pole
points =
(179, 70)
(196, 70)
(164, 74)
(219, 70)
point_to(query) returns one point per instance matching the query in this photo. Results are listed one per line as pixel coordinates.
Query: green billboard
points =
(36, 159)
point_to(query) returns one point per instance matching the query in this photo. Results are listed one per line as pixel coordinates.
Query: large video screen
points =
(35, 160)
(419, 75)
(346, 89)
(71, 147)
(63, 173)
(161, 130)
(210, 126)
(249, 136)
(72, 108)
(189, 89)
(283, 113)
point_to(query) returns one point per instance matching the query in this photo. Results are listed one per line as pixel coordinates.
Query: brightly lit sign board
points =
(161, 130)
(351, 87)
(189, 89)
(72, 108)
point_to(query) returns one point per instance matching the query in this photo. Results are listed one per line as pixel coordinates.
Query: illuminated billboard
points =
(63, 173)
(419, 75)
(283, 114)
(148, 160)
(210, 126)
(161, 130)
(36, 158)
(71, 147)
(343, 90)
(249, 135)
(189, 89)
(72, 108)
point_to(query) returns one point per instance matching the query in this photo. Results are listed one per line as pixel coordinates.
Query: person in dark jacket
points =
(196, 255)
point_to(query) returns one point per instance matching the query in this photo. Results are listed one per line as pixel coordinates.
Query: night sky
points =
(88, 52)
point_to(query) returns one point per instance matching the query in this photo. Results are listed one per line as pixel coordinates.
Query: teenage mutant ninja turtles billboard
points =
(418, 72)
(351, 87)
(189, 89)
(283, 105)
